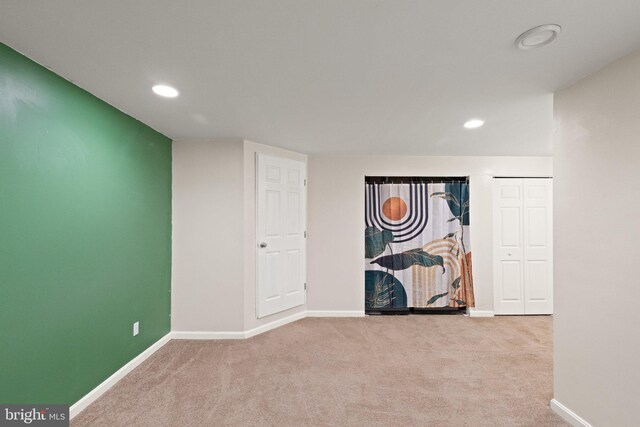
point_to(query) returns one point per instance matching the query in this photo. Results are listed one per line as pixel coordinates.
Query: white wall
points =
(336, 218)
(208, 241)
(214, 278)
(214, 226)
(250, 151)
(597, 206)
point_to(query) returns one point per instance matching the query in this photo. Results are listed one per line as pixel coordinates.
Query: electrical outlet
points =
(136, 328)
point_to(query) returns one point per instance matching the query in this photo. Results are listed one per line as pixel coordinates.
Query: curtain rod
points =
(523, 177)
(421, 179)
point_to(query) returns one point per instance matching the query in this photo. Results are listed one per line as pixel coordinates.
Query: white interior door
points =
(523, 271)
(280, 232)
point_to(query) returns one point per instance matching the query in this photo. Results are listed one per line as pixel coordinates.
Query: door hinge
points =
(305, 286)
(305, 182)
(305, 234)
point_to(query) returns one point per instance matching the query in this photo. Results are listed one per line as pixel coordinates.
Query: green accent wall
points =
(85, 236)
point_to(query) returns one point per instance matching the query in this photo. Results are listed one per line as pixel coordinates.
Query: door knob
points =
(509, 254)
(263, 245)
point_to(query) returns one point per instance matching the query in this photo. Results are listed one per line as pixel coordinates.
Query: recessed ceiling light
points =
(473, 123)
(538, 36)
(166, 91)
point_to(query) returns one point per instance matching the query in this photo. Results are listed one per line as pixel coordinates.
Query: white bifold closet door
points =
(280, 232)
(523, 246)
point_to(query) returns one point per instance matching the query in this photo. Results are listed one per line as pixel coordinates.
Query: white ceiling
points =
(329, 76)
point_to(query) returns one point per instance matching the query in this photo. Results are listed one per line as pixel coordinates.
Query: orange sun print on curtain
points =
(394, 208)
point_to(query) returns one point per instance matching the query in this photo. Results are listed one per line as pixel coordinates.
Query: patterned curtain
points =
(417, 245)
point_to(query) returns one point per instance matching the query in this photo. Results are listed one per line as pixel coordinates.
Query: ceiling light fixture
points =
(166, 91)
(538, 36)
(473, 123)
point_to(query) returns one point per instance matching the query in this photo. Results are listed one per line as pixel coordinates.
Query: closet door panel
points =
(538, 253)
(508, 246)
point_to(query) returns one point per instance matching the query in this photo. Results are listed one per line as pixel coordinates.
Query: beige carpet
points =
(401, 370)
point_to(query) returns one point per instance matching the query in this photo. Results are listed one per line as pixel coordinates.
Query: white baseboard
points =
(567, 414)
(94, 394)
(275, 324)
(335, 313)
(206, 335)
(239, 335)
(480, 313)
